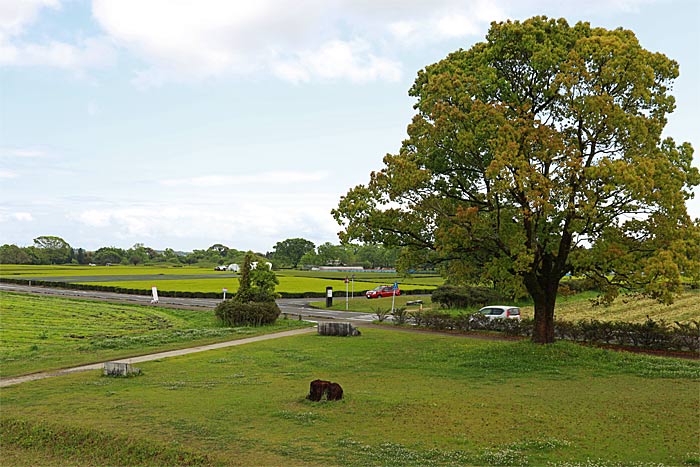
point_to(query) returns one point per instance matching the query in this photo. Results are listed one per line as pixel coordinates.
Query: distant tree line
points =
(290, 253)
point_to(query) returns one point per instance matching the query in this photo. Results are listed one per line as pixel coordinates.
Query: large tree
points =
(291, 250)
(54, 249)
(536, 154)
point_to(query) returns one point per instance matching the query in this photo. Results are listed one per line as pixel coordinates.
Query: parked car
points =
(500, 311)
(383, 291)
(221, 268)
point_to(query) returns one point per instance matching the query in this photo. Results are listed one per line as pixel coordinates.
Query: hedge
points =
(657, 335)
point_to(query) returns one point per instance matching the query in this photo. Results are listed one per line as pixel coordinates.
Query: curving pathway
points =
(4, 382)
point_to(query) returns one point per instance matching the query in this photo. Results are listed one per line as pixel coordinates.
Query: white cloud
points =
(23, 153)
(268, 178)
(7, 215)
(252, 221)
(181, 40)
(314, 40)
(8, 174)
(339, 59)
(90, 53)
(23, 216)
(17, 16)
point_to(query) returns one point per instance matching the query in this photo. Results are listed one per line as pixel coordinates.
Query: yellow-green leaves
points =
(535, 154)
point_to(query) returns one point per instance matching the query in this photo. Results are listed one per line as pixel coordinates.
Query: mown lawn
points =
(40, 333)
(410, 399)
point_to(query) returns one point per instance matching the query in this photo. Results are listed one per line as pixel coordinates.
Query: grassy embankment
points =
(410, 399)
(40, 333)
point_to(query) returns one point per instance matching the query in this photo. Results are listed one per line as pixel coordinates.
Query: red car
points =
(382, 291)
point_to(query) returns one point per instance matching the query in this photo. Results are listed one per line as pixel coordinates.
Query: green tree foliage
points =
(244, 293)
(80, 256)
(290, 251)
(263, 281)
(109, 255)
(525, 149)
(12, 254)
(54, 249)
(254, 302)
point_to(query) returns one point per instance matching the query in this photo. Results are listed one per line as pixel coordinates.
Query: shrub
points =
(449, 296)
(237, 313)
(381, 313)
(400, 315)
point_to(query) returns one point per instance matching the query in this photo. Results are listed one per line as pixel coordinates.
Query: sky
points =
(181, 124)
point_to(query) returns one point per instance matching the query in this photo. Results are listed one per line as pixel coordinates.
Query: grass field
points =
(571, 308)
(290, 284)
(410, 399)
(41, 333)
(167, 278)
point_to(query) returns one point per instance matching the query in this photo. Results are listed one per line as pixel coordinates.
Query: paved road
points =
(4, 382)
(293, 307)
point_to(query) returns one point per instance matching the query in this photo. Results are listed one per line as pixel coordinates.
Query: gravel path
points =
(4, 382)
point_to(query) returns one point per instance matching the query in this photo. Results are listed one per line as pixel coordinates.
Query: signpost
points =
(393, 296)
(346, 293)
(224, 290)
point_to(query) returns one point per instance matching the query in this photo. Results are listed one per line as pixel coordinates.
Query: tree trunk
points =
(544, 295)
(543, 332)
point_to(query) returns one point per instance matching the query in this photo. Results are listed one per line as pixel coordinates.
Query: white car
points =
(500, 311)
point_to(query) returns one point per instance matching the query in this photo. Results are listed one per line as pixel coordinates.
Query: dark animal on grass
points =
(319, 388)
(335, 392)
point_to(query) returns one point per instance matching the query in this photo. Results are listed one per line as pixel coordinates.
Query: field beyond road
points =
(410, 399)
(199, 279)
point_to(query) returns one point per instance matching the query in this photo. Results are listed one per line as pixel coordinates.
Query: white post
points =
(346, 294)
(393, 296)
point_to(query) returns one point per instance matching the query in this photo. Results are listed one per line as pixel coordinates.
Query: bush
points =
(449, 296)
(400, 315)
(237, 313)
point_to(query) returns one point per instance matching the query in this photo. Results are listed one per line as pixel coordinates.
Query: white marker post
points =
(393, 296)
(346, 293)
(154, 292)
(224, 290)
(353, 287)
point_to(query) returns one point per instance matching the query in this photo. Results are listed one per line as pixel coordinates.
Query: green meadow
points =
(42, 333)
(410, 399)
